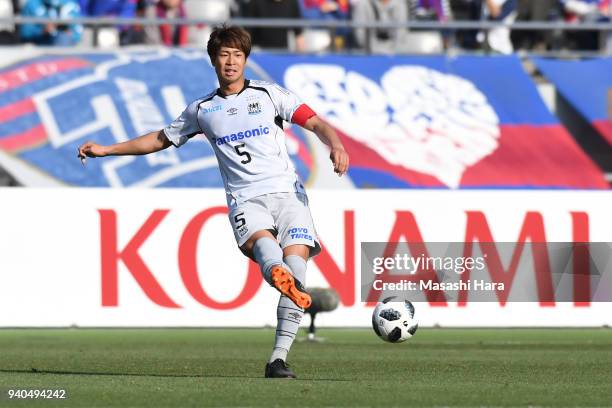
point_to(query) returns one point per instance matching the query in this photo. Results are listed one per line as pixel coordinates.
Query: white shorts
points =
(286, 215)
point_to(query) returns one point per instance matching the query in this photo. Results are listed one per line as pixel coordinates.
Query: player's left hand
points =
(340, 159)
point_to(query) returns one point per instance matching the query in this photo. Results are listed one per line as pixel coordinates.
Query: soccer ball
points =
(394, 321)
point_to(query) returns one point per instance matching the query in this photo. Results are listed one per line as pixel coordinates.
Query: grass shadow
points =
(95, 373)
(154, 375)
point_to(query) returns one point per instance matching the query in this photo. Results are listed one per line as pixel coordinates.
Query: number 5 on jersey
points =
(244, 153)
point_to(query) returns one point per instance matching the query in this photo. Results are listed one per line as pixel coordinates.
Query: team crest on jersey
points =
(232, 111)
(254, 108)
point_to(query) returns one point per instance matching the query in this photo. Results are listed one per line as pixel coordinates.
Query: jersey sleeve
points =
(185, 126)
(287, 103)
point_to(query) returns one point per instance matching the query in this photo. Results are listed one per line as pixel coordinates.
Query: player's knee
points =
(247, 250)
(300, 250)
(247, 247)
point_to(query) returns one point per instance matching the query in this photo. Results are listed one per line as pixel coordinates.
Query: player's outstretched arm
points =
(149, 143)
(327, 135)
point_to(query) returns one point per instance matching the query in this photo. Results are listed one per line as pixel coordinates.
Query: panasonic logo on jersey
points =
(243, 134)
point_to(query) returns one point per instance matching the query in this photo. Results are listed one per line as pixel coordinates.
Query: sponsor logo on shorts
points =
(243, 134)
(300, 233)
(242, 231)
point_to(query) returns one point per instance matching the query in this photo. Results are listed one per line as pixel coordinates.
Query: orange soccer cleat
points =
(284, 281)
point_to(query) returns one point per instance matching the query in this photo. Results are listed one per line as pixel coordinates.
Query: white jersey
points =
(246, 133)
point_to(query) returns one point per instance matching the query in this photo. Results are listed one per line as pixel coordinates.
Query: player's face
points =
(229, 65)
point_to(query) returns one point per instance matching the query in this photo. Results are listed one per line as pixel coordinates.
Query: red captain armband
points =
(302, 114)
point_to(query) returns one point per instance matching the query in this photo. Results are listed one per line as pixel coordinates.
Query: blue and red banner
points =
(441, 122)
(425, 122)
(51, 104)
(586, 85)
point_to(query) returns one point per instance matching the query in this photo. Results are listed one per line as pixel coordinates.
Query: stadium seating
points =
(218, 10)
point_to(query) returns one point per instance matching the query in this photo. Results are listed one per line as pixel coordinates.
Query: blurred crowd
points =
(499, 40)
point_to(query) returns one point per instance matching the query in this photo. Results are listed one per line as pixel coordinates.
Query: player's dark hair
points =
(228, 36)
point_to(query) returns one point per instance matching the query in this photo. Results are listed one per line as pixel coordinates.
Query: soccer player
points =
(268, 207)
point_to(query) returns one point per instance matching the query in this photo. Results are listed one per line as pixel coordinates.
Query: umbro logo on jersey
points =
(254, 108)
(232, 111)
(212, 109)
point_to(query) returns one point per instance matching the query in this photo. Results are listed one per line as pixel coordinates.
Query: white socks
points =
(268, 253)
(288, 314)
(297, 264)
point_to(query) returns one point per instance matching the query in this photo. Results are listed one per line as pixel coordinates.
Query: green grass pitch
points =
(206, 367)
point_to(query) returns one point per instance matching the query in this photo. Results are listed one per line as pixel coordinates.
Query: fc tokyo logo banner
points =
(466, 122)
(51, 104)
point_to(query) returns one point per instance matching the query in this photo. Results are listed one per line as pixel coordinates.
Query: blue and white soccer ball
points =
(394, 321)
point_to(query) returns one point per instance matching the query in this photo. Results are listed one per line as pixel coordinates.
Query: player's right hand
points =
(340, 159)
(90, 149)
